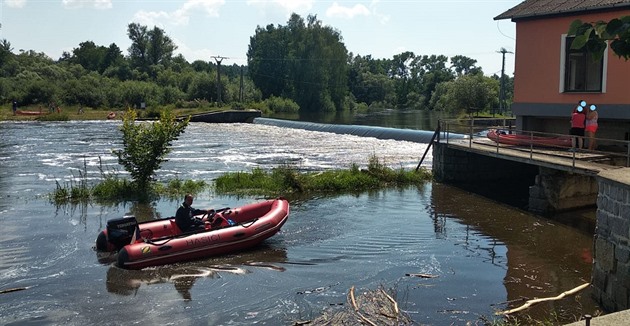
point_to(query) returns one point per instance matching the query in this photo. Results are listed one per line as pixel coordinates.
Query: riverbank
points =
(75, 113)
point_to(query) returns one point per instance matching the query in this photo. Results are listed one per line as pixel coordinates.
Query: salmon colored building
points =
(550, 78)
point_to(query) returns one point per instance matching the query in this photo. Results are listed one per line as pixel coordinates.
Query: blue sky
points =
(205, 28)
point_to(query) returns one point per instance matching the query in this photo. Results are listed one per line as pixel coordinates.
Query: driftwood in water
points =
(372, 307)
(421, 275)
(11, 290)
(529, 303)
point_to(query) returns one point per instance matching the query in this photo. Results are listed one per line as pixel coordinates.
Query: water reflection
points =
(183, 276)
(541, 256)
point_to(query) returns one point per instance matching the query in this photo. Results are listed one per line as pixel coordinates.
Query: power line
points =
(218, 60)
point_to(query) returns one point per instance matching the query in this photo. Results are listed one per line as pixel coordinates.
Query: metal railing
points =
(474, 131)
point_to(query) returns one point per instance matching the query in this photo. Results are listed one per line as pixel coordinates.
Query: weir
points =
(418, 136)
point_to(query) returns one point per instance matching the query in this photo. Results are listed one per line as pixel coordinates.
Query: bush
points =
(146, 144)
(280, 104)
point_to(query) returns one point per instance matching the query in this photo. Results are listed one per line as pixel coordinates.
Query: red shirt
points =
(578, 120)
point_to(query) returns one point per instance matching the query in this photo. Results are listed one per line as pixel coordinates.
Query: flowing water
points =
(485, 256)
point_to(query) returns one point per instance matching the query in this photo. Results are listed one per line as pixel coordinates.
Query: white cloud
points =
(383, 19)
(347, 12)
(192, 55)
(180, 16)
(98, 4)
(150, 18)
(15, 3)
(288, 6)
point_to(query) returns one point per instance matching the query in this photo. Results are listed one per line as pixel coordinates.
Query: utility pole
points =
(219, 59)
(503, 51)
(240, 92)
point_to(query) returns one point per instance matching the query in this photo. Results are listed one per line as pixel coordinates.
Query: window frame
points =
(565, 70)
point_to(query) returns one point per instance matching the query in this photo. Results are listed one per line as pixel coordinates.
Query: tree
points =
(146, 145)
(161, 47)
(149, 47)
(267, 59)
(318, 65)
(368, 81)
(5, 50)
(400, 72)
(434, 72)
(469, 93)
(464, 65)
(594, 36)
(304, 61)
(139, 45)
(93, 57)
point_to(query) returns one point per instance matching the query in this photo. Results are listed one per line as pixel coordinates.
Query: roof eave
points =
(562, 12)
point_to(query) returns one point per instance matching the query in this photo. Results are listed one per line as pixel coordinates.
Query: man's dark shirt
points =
(185, 220)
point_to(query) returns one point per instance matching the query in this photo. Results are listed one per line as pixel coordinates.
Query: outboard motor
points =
(119, 233)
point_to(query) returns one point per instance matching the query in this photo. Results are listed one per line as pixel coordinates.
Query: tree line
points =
(304, 62)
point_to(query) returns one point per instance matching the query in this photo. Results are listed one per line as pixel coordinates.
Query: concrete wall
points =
(457, 166)
(550, 191)
(611, 259)
(556, 191)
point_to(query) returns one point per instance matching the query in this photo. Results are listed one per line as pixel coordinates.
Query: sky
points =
(203, 29)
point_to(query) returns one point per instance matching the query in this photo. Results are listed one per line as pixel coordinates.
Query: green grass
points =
(286, 180)
(114, 188)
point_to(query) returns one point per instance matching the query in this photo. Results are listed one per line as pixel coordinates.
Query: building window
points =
(581, 72)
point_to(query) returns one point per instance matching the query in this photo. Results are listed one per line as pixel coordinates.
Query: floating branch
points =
(529, 303)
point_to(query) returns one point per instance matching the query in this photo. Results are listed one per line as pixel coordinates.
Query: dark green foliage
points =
(278, 104)
(94, 58)
(467, 94)
(594, 36)
(303, 61)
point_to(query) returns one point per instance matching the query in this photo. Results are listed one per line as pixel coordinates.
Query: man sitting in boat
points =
(185, 216)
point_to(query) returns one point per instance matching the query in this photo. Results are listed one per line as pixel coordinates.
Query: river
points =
(486, 255)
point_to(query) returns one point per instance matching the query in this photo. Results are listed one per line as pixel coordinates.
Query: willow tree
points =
(145, 146)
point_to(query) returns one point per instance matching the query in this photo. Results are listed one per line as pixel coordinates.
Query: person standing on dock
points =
(578, 118)
(591, 126)
(14, 107)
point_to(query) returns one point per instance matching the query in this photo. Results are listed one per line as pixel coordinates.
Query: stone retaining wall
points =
(611, 259)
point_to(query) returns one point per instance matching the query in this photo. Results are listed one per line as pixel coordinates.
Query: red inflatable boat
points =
(527, 140)
(160, 242)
